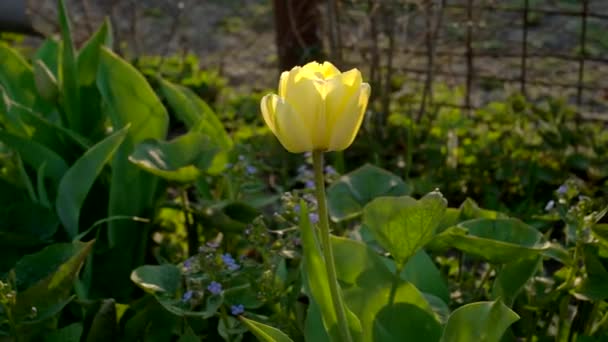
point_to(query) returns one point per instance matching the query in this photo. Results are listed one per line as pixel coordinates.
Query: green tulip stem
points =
(317, 159)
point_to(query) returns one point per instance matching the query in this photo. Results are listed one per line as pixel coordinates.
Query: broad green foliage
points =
(483, 321)
(402, 225)
(347, 197)
(182, 160)
(142, 201)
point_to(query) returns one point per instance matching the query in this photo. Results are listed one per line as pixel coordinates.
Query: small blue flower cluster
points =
(237, 310)
(187, 296)
(230, 263)
(215, 288)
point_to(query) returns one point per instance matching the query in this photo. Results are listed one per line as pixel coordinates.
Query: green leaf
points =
(157, 279)
(79, 179)
(26, 224)
(46, 84)
(405, 322)
(36, 155)
(48, 278)
(470, 210)
(315, 273)
(422, 272)
(347, 196)
(496, 240)
(180, 160)
(128, 99)
(403, 225)
(90, 98)
(594, 287)
(70, 333)
(481, 321)
(198, 117)
(48, 53)
(68, 74)
(512, 277)
(17, 81)
(57, 138)
(104, 326)
(88, 58)
(265, 332)
(367, 284)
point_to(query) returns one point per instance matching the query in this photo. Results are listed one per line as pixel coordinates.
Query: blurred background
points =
(481, 50)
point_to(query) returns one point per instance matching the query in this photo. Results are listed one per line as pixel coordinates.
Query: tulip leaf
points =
(129, 99)
(499, 241)
(36, 155)
(315, 277)
(347, 196)
(48, 53)
(403, 225)
(18, 85)
(90, 98)
(198, 117)
(104, 326)
(265, 332)
(47, 278)
(68, 74)
(79, 179)
(180, 160)
(481, 321)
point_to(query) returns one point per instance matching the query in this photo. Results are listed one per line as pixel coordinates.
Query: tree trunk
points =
(298, 39)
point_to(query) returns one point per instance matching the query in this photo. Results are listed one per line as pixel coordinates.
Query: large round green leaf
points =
(479, 322)
(403, 225)
(347, 197)
(367, 285)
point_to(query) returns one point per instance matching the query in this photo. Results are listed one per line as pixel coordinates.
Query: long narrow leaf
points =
(68, 75)
(315, 274)
(265, 332)
(35, 154)
(79, 179)
(129, 99)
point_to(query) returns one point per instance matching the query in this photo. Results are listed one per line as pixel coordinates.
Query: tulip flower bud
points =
(318, 108)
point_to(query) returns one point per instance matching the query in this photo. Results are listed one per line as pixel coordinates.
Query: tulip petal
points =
(341, 94)
(268, 106)
(283, 83)
(347, 125)
(322, 71)
(302, 93)
(291, 130)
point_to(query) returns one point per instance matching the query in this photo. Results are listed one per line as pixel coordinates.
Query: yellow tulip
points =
(318, 108)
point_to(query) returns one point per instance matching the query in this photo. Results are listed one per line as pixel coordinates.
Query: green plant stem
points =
(11, 321)
(317, 159)
(190, 226)
(224, 318)
(395, 285)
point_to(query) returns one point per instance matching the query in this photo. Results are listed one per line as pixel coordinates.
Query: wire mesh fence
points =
(487, 49)
(484, 50)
